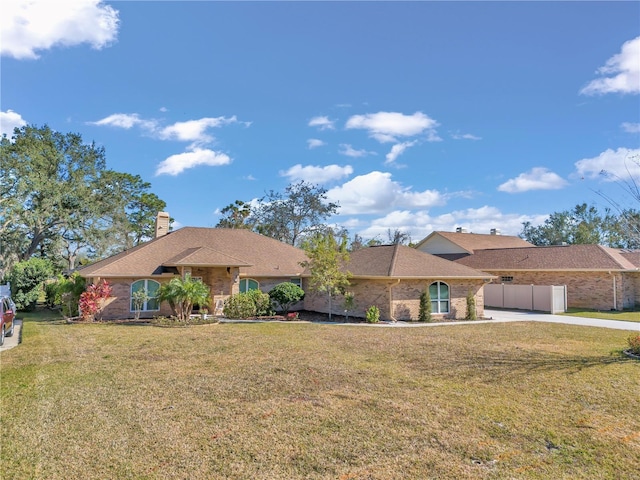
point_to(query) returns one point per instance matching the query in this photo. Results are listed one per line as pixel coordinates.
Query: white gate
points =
(542, 298)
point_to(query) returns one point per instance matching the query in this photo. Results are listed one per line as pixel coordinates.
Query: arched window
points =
(247, 284)
(439, 293)
(150, 288)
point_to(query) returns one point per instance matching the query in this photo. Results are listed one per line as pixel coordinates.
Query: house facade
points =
(596, 277)
(392, 278)
(230, 261)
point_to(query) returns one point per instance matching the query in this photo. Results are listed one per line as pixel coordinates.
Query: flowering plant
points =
(634, 343)
(92, 299)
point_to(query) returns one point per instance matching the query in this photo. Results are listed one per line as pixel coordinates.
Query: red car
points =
(7, 317)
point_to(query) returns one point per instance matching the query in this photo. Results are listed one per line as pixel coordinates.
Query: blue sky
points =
(416, 116)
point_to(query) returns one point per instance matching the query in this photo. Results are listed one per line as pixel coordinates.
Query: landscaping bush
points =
(92, 300)
(286, 294)
(65, 293)
(471, 307)
(373, 314)
(634, 343)
(424, 314)
(253, 303)
(27, 278)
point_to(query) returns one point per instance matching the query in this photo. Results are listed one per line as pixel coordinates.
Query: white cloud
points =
(323, 123)
(315, 174)
(621, 73)
(33, 25)
(194, 130)
(10, 120)
(314, 143)
(349, 151)
(126, 121)
(388, 126)
(538, 178)
(631, 127)
(620, 163)
(397, 150)
(420, 223)
(465, 136)
(176, 164)
(375, 192)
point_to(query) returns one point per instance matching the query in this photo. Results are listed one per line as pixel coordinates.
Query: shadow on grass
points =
(506, 364)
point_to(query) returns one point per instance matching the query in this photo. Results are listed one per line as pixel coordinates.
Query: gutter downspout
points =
(615, 293)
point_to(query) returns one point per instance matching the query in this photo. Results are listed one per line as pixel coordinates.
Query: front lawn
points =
(626, 315)
(309, 401)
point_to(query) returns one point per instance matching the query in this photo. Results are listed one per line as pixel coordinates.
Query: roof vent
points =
(162, 224)
(461, 230)
(495, 231)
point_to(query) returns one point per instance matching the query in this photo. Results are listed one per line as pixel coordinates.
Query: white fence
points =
(543, 298)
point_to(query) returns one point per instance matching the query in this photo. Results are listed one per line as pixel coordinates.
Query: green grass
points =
(309, 401)
(625, 315)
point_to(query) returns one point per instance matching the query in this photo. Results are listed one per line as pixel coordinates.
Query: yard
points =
(293, 401)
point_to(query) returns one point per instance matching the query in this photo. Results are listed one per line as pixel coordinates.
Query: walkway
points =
(523, 316)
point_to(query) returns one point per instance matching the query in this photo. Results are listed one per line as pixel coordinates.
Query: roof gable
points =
(400, 261)
(467, 243)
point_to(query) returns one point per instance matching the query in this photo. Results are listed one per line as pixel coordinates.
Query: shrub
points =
(52, 295)
(92, 299)
(26, 280)
(373, 314)
(253, 303)
(286, 294)
(634, 343)
(471, 307)
(67, 293)
(424, 314)
(262, 302)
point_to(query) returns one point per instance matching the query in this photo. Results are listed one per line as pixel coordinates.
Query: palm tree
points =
(182, 294)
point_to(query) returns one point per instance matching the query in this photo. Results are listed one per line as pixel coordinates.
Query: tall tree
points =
(58, 199)
(582, 225)
(398, 237)
(235, 215)
(50, 177)
(328, 257)
(290, 216)
(585, 225)
(629, 217)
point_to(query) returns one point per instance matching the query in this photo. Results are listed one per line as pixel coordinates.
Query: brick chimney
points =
(162, 224)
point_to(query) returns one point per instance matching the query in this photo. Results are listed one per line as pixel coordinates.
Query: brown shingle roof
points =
(566, 257)
(478, 241)
(399, 261)
(255, 254)
(205, 257)
(632, 256)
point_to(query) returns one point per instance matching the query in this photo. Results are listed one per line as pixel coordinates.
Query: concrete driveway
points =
(522, 316)
(14, 340)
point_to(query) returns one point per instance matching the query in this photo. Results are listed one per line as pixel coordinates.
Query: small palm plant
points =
(182, 294)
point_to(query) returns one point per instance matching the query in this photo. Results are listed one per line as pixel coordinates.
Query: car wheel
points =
(2, 336)
(10, 332)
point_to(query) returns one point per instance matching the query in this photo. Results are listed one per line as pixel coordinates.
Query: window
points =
(439, 293)
(150, 287)
(506, 279)
(247, 284)
(297, 281)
